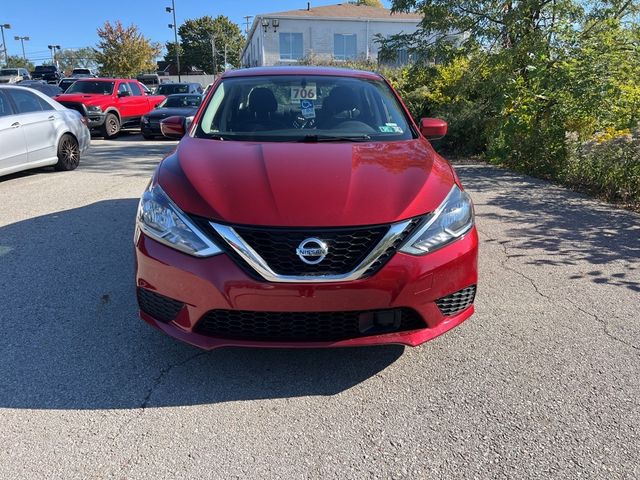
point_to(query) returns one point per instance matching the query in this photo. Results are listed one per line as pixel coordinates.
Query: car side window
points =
(25, 102)
(5, 107)
(135, 89)
(46, 106)
(122, 88)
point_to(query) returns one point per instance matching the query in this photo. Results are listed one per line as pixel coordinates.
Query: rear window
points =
(181, 101)
(169, 89)
(297, 108)
(8, 71)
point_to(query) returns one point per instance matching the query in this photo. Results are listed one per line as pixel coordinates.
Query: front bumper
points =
(95, 120)
(218, 283)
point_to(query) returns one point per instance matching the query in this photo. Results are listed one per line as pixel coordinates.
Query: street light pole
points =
(22, 39)
(4, 42)
(172, 9)
(53, 49)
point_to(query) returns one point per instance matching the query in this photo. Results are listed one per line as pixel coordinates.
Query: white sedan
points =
(36, 131)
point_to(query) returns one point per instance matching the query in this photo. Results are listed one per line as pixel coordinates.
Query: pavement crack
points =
(164, 372)
(157, 381)
(601, 321)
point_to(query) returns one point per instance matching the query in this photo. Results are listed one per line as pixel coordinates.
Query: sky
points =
(73, 23)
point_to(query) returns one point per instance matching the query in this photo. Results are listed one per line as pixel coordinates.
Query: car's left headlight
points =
(452, 219)
(161, 219)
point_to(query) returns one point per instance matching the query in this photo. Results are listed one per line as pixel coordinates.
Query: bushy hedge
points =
(608, 166)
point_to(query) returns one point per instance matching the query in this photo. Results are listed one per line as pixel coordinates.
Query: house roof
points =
(346, 10)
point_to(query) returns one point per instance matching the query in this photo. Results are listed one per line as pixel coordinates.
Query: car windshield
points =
(99, 88)
(168, 89)
(313, 108)
(181, 101)
(8, 71)
(45, 68)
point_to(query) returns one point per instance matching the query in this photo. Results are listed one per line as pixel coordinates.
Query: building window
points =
(344, 46)
(290, 46)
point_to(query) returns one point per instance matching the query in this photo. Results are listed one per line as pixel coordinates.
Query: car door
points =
(139, 102)
(38, 120)
(14, 146)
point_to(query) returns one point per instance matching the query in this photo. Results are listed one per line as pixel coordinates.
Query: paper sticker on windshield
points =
(306, 93)
(307, 109)
(390, 128)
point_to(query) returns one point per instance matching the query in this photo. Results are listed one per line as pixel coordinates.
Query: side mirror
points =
(173, 127)
(126, 93)
(433, 128)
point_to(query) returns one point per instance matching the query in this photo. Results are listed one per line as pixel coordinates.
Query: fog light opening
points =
(380, 322)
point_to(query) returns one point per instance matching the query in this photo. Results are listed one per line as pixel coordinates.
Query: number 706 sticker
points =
(307, 93)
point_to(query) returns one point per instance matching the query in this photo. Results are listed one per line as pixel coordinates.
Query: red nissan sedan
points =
(304, 208)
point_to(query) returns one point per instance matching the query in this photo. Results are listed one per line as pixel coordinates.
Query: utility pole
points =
(213, 52)
(22, 39)
(247, 23)
(4, 26)
(172, 9)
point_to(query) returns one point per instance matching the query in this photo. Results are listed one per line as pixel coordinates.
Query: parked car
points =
(110, 104)
(151, 80)
(82, 73)
(173, 88)
(48, 89)
(13, 75)
(181, 104)
(36, 131)
(65, 83)
(48, 73)
(305, 208)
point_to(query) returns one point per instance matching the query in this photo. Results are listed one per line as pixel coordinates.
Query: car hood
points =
(305, 184)
(87, 99)
(159, 113)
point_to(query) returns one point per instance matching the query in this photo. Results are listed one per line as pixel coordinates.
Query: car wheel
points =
(148, 136)
(68, 153)
(111, 126)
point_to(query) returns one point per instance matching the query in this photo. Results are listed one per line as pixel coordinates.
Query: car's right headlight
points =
(161, 219)
(94, 109)
(452, 219)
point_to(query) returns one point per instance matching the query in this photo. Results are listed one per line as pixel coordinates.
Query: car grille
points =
(163, 309)
(303, 326)
(77, 106)
(347, 248)
(457, 302)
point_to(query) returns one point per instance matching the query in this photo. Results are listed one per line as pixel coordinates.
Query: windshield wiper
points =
(335, 138)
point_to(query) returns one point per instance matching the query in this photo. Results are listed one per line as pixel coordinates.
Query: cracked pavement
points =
(542, 382)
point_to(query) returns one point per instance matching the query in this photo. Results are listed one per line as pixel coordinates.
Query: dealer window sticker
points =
(306, 93)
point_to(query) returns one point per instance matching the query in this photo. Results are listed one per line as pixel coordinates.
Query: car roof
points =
(301, 70)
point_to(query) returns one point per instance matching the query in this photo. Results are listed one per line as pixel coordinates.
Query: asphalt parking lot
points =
(542, 382)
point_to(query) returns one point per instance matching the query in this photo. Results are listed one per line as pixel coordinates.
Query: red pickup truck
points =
(109, 104)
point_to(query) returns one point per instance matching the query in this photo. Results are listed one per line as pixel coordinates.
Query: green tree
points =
(125, 52)
(370, 3)
(80, 58)
(197, 35)
(19, 62)
(534, 70)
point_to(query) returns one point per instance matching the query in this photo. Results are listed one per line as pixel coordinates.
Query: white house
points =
(342, 31)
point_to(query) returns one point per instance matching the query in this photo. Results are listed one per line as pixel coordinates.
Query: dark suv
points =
(48, 73)
(173, 88)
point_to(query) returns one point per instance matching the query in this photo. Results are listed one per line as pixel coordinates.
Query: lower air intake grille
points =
(158, 306)
(306, 326)
(456, 302)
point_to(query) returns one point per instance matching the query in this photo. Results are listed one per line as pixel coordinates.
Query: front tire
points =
(68, 154)
(111, 127)
(148, 136)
